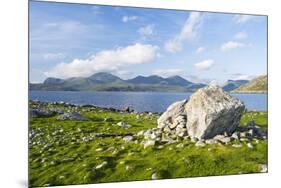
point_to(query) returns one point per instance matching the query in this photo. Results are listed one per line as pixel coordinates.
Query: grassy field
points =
(67, 152)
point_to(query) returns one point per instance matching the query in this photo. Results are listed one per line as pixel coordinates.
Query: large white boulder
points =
(212, 111)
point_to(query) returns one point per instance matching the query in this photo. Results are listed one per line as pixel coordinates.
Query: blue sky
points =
(71, 40)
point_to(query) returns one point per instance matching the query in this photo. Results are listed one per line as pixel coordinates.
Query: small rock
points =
(128, 167)
(194, 139)
(250, 145)
(160, 147)
(147, 143)
(181, 145)
(140, 133)
(222, 139)
(236, 135)
(72, 116)
(200, 144)
(107, 119)
(101, 165)
(237, 145)
(263, 168)
(99, 149)
(211, 141)
(154, 176)
(128, 139)
(122, 124)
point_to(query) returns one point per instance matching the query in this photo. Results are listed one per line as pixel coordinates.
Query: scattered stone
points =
(211, 141)
(34, 113)
(140, 133)
(160, 147)
(127, 109)
(236, 145)
(147, 143)
(101, 165)
(250, 145)
(128, 167)
(170, 117)
(107, 119)
(263, 168)
(200, 144)
(223, 139)
(72, 116)
(128, 139)
(236, 135)
(99, 149)
(194, 139)
(123, 124)
(154, 176)
(181, 145)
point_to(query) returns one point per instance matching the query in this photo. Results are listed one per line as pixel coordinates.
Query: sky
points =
(78, 40)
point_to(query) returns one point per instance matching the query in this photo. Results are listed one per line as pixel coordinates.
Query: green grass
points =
(64, 158)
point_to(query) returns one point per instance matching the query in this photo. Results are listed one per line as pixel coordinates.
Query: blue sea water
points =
(139, 101)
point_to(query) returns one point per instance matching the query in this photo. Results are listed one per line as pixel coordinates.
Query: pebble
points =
(154, 176)
(101, 165)
(250, 145)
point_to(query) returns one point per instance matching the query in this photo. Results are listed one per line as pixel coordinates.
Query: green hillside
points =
(258, 84)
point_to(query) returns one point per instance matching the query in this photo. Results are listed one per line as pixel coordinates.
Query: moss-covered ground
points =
(66, 152)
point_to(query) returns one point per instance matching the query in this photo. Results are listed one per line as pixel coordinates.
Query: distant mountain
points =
(234, 84)
(177, 80)
(107, 82)
(104, 77)
(147, 80)
(258, 84)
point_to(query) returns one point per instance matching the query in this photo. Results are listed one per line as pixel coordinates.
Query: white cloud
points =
(231, 45)
(188, 31)
(241, 35)
(146, 31)
(107, 60)
(205, 65)
(167, 72)
(53, 56)
(200, 50)
(243, 18)
(126, 19)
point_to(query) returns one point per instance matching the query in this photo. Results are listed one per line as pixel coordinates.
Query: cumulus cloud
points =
(126, 19)
(231, 45)
(167, 72)
(243, 18)
(241, 35)
(200, 50)
(50, 56)
(188, 31)
(106, 60)
(146, 31)
(205, 65)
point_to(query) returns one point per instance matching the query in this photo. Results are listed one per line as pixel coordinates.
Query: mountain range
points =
(108, 82)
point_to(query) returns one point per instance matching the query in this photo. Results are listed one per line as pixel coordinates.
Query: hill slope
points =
(234, 84)
(258, 84)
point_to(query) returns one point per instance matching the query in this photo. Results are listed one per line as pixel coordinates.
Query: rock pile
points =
(210, 116)
(209, 112)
